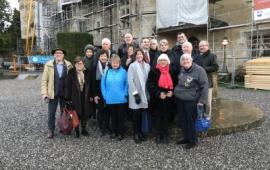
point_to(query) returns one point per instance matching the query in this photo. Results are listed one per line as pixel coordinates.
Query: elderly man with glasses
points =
(53, 84)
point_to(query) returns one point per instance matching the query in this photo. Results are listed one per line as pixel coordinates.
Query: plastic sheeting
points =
(171, 13)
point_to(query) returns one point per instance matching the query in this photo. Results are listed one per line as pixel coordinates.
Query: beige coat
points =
(47, 81)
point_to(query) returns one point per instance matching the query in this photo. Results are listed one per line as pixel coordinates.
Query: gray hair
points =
(106, 40)
(185, 56)
(204, 41)
(165, 41)
(153, 41)
(187, 44)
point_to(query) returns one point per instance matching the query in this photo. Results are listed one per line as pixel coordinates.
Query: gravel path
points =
(23, 142)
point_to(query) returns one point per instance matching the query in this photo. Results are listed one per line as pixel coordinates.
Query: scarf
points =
(80, 76)
(101, 70)
(165, 79)
(142, 70)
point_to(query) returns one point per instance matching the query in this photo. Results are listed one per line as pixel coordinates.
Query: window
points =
(98, 26)
(260, 44)
(82, 26)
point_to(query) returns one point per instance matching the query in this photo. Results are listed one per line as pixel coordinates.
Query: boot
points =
(84, 132)
(77, 132)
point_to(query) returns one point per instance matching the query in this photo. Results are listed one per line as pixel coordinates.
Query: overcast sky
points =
(13, 4)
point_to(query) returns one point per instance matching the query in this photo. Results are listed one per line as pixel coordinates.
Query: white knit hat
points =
(164, 57)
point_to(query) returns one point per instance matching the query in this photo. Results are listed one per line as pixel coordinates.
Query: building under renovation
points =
(106, 18)
(236, 21)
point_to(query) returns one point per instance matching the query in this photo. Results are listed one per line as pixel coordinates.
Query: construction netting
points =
(175, 12)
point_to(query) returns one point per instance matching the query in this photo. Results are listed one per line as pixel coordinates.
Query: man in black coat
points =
(145, 46)
(106, 46)
(209, 63)
(177, 49)
(122, 50)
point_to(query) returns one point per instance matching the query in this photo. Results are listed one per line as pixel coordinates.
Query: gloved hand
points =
(137, 99)
(68, 103)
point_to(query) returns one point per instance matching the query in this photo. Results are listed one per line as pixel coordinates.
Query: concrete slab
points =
(27, 76)
(228, 117)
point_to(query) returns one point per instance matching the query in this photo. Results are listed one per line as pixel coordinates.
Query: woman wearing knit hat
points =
(90, 61)
(160, 85)
(89, 58)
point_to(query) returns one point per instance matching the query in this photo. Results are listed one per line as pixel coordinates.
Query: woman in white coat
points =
(138, 100)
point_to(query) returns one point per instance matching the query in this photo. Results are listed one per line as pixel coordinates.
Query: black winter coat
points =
(177, 49)
(74, 94)
(209, 63)
(122, 49)
(162, 107)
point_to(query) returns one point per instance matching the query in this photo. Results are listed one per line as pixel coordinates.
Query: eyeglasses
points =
(81, 63)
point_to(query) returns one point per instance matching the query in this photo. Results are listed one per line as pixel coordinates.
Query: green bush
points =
(73, 43)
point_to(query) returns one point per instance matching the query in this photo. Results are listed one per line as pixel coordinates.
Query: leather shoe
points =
(190, 145)
(158, 139)
(181, 142)
(84, 132)
(50, 134)
(142, 137)
(113, 136)
(121, 137)
(137, 139)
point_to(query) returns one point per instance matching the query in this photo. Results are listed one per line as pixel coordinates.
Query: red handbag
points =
(65, 123)
(74, 118)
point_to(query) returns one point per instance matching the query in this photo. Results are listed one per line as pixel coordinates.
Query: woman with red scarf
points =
(160, 85)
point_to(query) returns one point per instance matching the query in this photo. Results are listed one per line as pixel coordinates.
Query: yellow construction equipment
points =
(30, 27)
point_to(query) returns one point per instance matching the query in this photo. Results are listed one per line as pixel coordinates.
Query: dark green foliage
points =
(74, 43)
(5, 14)
(15, 30)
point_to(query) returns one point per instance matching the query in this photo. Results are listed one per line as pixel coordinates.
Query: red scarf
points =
(165, 79)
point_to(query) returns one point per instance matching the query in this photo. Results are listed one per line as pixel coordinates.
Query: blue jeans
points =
(52, 106)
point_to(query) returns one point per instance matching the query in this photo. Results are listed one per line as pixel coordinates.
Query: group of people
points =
(138, 79)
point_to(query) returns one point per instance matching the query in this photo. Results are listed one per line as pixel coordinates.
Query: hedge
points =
(73, 43)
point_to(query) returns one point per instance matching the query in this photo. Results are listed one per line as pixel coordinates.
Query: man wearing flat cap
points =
(53, 84)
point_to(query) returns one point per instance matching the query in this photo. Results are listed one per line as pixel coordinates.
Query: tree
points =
(14, 29)
(9, 28)
(5, 13)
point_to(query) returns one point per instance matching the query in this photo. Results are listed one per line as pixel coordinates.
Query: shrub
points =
(73, 43)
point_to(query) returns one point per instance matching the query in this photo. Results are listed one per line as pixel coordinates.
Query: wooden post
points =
(215, 85)
(14, 64)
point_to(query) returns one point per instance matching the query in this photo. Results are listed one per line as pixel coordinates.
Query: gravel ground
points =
(23, 142)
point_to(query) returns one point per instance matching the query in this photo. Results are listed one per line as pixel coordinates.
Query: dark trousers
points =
(137, 120)
(187, 111)
(162, 125)
(83, 118)
(117, 112)
(52, 107)
(103, 116)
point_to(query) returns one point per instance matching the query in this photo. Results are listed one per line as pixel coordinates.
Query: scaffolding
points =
(100, 17)
(253, 40)
(103, 18)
